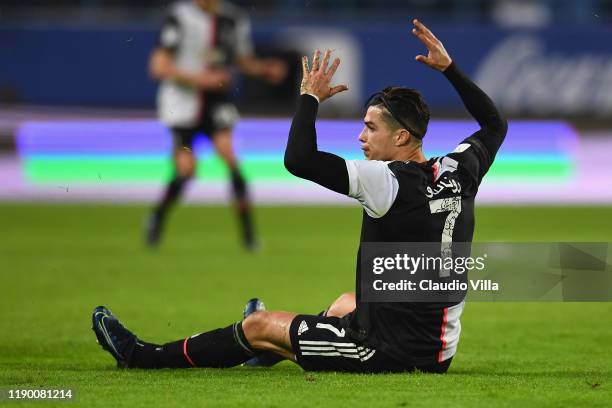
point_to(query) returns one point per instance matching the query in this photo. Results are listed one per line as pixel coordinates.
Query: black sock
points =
(227, 347)
(172, 193)
(243, 206)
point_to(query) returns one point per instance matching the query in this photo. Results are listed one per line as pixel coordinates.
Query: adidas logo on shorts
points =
(303, 327)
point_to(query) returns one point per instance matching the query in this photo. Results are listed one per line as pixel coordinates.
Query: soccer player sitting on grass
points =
(394, 185)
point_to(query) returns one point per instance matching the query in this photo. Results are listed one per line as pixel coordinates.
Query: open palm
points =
(316, 81)
(437, 57)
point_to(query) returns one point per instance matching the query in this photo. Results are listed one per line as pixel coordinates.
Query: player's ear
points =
(402, 137)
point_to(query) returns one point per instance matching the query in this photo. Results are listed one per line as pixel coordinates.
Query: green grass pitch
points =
(57, 262)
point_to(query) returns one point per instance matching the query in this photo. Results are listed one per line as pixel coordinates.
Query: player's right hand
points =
(316, 81)
(215, 79)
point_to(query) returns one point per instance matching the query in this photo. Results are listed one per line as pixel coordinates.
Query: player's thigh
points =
(220, 117)
(322, 344)
(269, 331)
(343, 305)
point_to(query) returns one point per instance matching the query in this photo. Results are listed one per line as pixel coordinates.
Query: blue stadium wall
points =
(107, 66)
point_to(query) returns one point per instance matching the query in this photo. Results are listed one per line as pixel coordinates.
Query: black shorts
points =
(320, 344)
(218, 113)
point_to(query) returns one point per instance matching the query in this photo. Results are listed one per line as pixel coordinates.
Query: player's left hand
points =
(316, 81)
(437, 57)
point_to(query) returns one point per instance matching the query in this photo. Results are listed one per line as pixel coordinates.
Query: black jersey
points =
(415, 202)
(406, 202)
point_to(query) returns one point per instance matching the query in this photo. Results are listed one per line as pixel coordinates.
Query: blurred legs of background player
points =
(185, 165)
(194, 71)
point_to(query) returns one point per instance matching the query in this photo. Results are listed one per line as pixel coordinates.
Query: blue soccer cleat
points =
(264, 359)
(112, 336)
(252, 306)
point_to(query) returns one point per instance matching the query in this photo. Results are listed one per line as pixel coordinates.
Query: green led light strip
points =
(134, 169)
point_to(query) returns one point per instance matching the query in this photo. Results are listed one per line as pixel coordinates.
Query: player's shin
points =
(218, 348)
(172, 193)
(243, 208)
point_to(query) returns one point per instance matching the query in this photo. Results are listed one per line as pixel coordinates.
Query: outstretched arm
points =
(479, 105)
(272, 70)
(302, 158)
(162, 66)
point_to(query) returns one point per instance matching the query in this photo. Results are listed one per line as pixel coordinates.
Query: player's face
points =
(376, 137)
(208, 5)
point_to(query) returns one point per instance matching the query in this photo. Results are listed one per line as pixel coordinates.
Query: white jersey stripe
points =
(361, 353)
(326, 343)
(335, 349)
(368, 356)
(452, 331)
(329, 354)
(339, 353)
(342, 350)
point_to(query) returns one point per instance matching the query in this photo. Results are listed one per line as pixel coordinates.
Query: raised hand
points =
(437, 57)
(316, 81)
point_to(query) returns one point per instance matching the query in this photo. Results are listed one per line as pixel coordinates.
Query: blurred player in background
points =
(200, 41)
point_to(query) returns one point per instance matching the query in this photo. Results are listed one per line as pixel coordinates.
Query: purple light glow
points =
(269, 136)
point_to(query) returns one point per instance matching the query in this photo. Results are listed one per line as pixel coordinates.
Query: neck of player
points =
(413, 154)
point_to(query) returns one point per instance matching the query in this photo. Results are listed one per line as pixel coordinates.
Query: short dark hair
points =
(404, 108)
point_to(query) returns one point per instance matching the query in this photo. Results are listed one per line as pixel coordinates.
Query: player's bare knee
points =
(185, 163)
(185, 170)
(189, 173)
(255, 327)
(343, 305)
